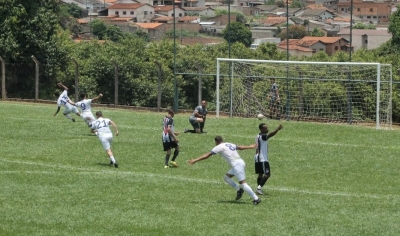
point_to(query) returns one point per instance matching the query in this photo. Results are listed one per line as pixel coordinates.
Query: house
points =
(317, 14)
(154, 30)
(366, 39)
(168, 10)
(164, 19)
(330, 45)
(139, 12)
(368, 11)
(199, 11)
(275, 21)
(190, 19)
(293, 49)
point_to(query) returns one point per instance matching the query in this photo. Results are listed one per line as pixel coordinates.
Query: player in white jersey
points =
(103, 131)
(86, 106)
(228, 152)
(262, 166)
(169, 139)
(63, 100)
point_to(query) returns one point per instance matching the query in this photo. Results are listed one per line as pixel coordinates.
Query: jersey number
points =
(100, 124)
(231, 147)
(83, 106)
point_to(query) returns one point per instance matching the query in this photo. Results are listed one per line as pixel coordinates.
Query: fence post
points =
(36, 77)
(3, 78)
(200, 83)
(76, 79)
(159, 85)
(116, 84)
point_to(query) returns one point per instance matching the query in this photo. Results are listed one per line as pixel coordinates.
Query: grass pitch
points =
(326, 179)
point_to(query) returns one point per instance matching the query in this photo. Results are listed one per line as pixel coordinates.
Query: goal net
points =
(340, 92)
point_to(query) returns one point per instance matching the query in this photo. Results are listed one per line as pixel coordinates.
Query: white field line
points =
(92, 171)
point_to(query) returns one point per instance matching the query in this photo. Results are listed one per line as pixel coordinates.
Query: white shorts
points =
(69, 108)
(88, 117)
(106, 140)
(238, 170)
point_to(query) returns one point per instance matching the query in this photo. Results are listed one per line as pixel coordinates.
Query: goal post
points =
(336, 92)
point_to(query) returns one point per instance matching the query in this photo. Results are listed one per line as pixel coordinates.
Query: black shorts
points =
(169, 145)
(262, 168)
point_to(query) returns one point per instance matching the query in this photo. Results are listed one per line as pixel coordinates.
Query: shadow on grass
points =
(232, 202)
(103, 164)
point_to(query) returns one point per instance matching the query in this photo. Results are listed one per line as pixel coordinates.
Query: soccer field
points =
(327, 179)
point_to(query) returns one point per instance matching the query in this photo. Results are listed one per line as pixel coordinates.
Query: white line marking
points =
(92, 171)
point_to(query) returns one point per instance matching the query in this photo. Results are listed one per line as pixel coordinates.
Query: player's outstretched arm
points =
(115, 127)
(275, 131)
(58, 109)
(62, 86)
(70, 102)
(247, 147)
(98, 97)
(202, 157)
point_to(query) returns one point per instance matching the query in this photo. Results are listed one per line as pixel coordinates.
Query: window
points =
(368, 17)
(172, 14)
(132, 13)
(371, 10)
(358, 9)
(116, 13)
(145, 13)
(366, 41)
(151, 13)
(342, 9)
(124, 13)
(336, 47)
(321, 49)
(180, 14)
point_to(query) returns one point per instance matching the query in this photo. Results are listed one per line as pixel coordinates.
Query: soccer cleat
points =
(111, 163)
(239, 194)
(186, 130)
(256, 202)
(174, 164)
(73, 120)
(116, 165)
(166, 167)
(259, 192)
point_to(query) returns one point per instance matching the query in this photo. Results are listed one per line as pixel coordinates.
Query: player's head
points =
(171, 112)
(272, 80)
(99, 114)
(82, 96)
(204, 103)
(263, 128)
(218, 139)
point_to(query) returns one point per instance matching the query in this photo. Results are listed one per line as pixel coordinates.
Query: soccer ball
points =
(260, 116)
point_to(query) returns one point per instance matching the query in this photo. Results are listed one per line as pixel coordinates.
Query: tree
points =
(112, 32)
(237, 32)
(280, 3)
(317, 32)
(98, 28)
(394, 28)
(30, 28)
(295, 32)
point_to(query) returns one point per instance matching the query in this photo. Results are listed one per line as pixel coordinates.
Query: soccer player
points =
(62, 100)
(86, 106)
(262, 166)
(198, 118)
(169, 139)
(274, 100)
(228, 152)
(103, 131)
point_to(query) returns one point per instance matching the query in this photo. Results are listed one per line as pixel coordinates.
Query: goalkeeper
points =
(198, 118)
(274, 100)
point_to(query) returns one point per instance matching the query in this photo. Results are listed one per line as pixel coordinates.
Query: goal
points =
(337, 92)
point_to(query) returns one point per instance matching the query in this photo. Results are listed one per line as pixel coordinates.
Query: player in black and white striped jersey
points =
(262, 166)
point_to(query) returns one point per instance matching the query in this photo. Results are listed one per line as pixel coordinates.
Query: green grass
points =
(326, 179)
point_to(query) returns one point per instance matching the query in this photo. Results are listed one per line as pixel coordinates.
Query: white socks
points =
(112, 159)
(248, 190)
(231, 182)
